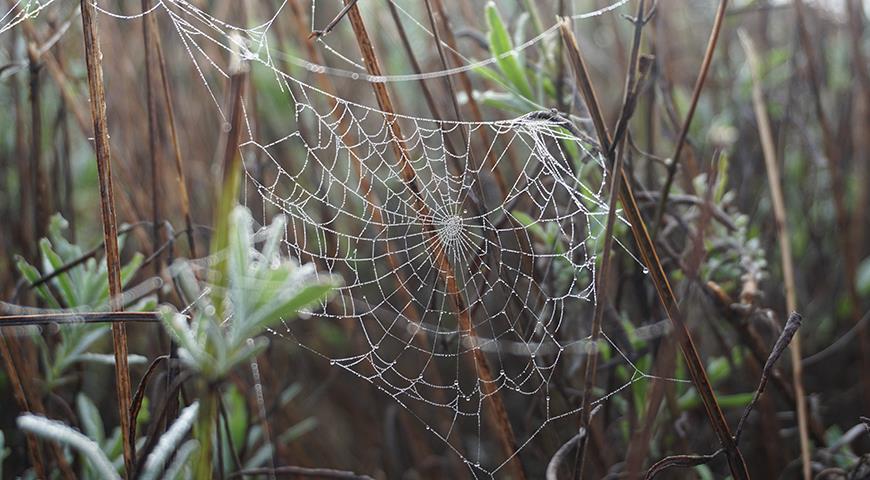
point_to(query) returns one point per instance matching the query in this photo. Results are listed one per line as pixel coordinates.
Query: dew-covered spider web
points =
(467, 249)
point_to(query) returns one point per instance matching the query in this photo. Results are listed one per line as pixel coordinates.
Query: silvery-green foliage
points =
(4, 452)
(180, 466)
(81, 288)
(263, 287)
(63, 434)
(169, 442)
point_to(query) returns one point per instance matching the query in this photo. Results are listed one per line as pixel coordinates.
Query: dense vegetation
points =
(177, 303)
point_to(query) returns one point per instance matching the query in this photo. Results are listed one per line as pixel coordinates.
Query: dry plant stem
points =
(20, 396)
(500, 417)
(639, 446)
(601, 288)
(415, 65)
(372, 200)
(838, 191)
(785, 337)
(552, 472)
(650, 258)
(230, 159)
(603, 279)
(862, 142)
(302, 472)
(465, 81)
(71, 101)
(173, 135)
(93, 57)
(41, 209)
(450, 89)
(153, 144)
(750, 337)
(696, 94)
(77, 318)
(782, 231)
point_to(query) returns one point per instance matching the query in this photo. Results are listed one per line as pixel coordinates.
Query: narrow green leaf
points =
(501, 48)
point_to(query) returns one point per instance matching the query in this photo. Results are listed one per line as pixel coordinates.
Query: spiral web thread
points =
(514, 226)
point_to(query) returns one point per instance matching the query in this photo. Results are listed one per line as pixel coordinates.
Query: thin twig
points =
(696, 94)
(139, 396)
(18, 392)
(785, 337)
(302, 472)
(153, 142)
(93, 57)
(782, 231)
(650, 258)
(604, 276)
(180, 179)
(77, 318)
(408, 177)
(680, 461)
(334, 21)
(837, 344)
(556, 460)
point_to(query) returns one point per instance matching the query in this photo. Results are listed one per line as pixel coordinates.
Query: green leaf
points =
(89, 415)
(298, 430)
(501, 47)
(52, 259)
(530, 224)
(691, 400)
(130, 269)
(280, 309)
(31, 274)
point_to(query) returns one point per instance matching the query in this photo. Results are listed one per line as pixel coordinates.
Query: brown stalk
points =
(753, 340)
(427, 93)
(696, 94)
(415, 65)
(71, 101)
(372, 199)
(834, 161)
(838, 191)
(93, 57)
(639, 446)
(20, 396)
(782, 231)
(465, 81)
(77, 318)
(344, 130)
(153, 142)
(601, 287)
(616, 159)
(41, 209)
(173, 135)
(500, 417)
(650, 258)
(859, 63)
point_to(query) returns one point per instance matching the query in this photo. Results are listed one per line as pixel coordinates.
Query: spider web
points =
(467, 249)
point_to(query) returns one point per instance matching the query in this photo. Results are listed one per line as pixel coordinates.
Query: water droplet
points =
(645, 271)
(332, 362)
